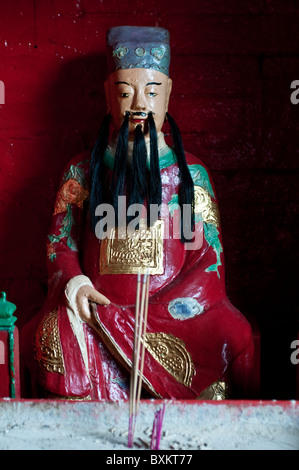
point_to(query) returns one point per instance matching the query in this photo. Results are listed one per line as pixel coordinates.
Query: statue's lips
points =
(138, 115)
(138, 120)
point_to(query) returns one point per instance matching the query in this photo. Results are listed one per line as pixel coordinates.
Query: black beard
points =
(139, 184)
(136, 181)
(138, 172)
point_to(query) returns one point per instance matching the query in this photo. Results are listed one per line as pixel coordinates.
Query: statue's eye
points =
(125, 95)
(152, 94)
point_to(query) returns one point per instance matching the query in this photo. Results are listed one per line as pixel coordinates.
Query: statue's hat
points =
(138, 47)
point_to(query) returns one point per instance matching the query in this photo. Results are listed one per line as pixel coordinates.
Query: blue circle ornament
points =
(158, 52)
(140, 51)
(120, 52)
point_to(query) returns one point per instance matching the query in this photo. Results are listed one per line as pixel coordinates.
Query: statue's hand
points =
(87, 299)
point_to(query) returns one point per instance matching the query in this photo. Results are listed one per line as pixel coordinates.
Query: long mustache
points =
(155, 185)
(140, 113)
(120, 165)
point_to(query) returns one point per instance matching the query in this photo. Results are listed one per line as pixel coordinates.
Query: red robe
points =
(195, 337)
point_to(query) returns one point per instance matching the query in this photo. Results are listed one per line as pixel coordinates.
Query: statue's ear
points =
(107, 95)
(169, 88)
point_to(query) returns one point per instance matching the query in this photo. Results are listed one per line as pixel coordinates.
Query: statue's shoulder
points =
(77, 168)
(80, 160)
(194, 160)
(198, 169)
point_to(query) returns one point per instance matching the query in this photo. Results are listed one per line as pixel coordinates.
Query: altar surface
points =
(196, 425)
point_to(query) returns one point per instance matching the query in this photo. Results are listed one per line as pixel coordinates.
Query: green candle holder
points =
(7, 310)
(7, 321)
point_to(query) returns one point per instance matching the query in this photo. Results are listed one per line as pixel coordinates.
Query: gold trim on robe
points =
(204, 205)
(172, 354)
(47, 346)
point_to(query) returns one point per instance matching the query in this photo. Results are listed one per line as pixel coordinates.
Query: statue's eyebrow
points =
(119, 83)
(126, 83)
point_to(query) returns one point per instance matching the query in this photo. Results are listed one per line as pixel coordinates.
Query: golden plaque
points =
(140, 251)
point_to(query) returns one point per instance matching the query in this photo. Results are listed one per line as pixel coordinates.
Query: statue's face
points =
(137, 91)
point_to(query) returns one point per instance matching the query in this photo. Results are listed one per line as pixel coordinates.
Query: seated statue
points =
(80, 345)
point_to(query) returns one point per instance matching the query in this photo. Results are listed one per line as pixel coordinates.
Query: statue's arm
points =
(64, 240)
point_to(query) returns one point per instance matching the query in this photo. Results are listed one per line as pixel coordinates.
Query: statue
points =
(80, 345)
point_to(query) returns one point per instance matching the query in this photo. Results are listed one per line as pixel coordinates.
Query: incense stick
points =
(136, 330)
(141, 310)
(157, 429)
(143, 347)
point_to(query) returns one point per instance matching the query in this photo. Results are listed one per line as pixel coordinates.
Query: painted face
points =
(138, 91)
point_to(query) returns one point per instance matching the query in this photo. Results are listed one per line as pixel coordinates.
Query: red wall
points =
(232, 65)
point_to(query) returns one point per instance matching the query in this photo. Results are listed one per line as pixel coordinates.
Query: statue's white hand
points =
(87, 299)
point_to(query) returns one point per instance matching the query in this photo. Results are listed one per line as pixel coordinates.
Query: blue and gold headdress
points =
(138, 47)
